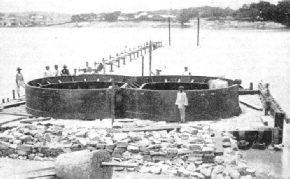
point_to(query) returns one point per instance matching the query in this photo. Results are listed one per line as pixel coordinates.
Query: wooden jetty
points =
(116, 60)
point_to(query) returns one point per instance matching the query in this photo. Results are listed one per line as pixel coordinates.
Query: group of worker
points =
(56, 72)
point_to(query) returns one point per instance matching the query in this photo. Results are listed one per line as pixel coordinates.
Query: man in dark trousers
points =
(64, 71)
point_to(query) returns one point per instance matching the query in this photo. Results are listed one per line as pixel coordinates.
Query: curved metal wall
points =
(129, 102)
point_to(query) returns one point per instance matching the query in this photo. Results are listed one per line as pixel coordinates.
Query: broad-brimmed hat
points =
(181, 87)
(64, 66)
(18, 69)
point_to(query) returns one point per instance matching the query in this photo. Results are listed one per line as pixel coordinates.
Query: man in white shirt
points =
(186, 72)
(181, 102)
(19, 81)
(56, 71)
(47, 72)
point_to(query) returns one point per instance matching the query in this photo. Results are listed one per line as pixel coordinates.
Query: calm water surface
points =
(250, 55)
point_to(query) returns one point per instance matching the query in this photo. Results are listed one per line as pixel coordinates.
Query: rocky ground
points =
(196, 149)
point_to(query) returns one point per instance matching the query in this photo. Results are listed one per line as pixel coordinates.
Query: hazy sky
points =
(86, 6)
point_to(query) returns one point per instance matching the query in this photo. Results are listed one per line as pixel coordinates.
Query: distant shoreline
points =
(205, 24)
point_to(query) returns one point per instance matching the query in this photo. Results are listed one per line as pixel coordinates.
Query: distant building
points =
(37, 20)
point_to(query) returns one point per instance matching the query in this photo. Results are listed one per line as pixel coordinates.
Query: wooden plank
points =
(124, 120)
(248, 92)
(16, 114)
(151, 128)
(50, 173)
(13, 120)
(12, 104)
(253, 106)
(30, 121)
(119, 164)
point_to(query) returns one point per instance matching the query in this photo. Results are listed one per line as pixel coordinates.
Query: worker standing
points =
(19, 81)
(47, 72)
(64, 71)
(56, 71)
(181, 102)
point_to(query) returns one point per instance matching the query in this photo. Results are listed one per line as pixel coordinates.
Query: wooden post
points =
(169, 31)
(130, 57)
(138, 52)
(113, 101)
(142, 65)
(141, 49)
(251, 86)
(87, 64)
(124, 60)
(7, 99)
(75, 71)
(198, 30)
(150, 57)
(3, 100)
(104, 64)
(111, 64)
(13, 94)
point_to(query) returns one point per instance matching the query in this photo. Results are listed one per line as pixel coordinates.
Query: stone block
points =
(144, 169)
(126, 155)
(81, 133)
(148, 158)
(155, 170)
(4, 145)
(120, 136)
(191, 167)
(117, 125)
(101, 146)
(133, 148)
(119, 150)
(122, 144)
(14, 156)
(110, 146)
(194, 147)
(177, 161)
(92, 143)
(93, 136)
(21, 152)
(24, 147)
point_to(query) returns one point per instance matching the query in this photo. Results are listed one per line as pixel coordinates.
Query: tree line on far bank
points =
(262, 11)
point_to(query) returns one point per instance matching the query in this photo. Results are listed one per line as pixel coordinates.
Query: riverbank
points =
(205, 24)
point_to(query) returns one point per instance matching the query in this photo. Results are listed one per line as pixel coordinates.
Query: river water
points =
(250, 55)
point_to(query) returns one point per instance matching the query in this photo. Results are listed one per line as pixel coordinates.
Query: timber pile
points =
(276, 109)
(189, 151)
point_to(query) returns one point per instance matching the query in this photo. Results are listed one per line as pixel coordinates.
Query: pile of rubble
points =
(191, 150)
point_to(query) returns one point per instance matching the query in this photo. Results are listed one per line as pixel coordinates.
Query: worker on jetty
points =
(267, 99)
(181, 102)
(64, 71)
(56, 71)
(186, 72)
(47, 72)
(19, 81)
